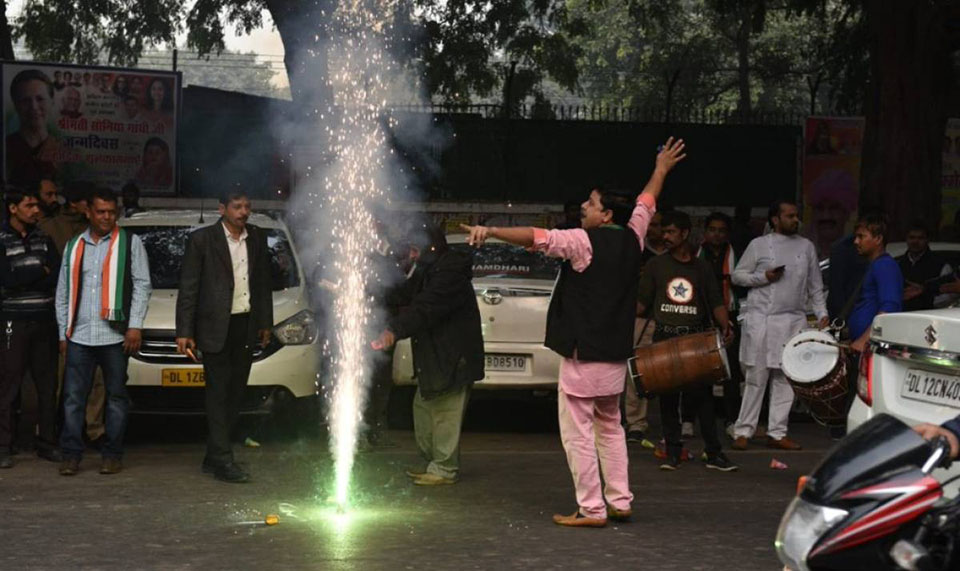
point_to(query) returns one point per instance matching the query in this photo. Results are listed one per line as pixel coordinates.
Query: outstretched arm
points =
(519, 236)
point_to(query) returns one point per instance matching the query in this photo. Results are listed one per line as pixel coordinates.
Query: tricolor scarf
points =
(111, 284)
(729, 263)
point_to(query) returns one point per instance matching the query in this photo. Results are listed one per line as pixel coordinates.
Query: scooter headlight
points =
(802, 525)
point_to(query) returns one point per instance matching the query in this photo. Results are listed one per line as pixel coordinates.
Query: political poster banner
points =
(109, 126)
(950, 183)
(831, 178)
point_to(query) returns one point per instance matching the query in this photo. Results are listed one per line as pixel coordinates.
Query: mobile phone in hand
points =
(779, 269)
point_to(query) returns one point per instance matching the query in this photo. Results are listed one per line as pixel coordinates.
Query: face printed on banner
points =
(593, 214)
(131, 107)
(103, 216)
(33, 103)
(154, 156)
(71, 101)
(157, 92)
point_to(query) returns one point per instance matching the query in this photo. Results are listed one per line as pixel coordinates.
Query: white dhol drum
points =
(816, 367)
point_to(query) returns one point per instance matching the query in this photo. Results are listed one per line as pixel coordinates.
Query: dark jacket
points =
(206, 287)
(65, 225)
(925, 269)
(29, 269)
(847, 268)
(443, 321)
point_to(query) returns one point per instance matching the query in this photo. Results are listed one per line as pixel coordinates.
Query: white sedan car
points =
(513, 288)
(284, 373)
(911, 370)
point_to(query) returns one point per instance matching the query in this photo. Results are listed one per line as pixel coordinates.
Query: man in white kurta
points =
(783, 275)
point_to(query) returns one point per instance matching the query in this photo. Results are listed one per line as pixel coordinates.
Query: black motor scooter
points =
(872, 504)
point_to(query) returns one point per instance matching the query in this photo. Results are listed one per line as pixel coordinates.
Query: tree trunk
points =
(743, 63)
(303, 30)
(6, 40)
(905, 111)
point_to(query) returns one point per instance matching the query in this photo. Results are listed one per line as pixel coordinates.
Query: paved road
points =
(162, 513)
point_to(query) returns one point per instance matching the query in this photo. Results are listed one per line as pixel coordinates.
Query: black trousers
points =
(375, 413)
(699, 399)
(226, 374)
(28, 346)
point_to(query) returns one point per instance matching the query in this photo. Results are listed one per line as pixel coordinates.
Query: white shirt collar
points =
(243, 234)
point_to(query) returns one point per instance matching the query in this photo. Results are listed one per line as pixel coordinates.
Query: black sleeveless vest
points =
(592, 312)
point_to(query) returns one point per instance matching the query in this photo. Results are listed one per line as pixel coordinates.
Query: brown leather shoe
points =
(433, 480)
(111, 466)
(619, 515)
(782, 444)
(414, 473)
(70, 467)
(578, 520)
(740, 443)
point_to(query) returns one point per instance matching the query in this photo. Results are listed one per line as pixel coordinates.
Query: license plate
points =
(182, 377)
(499, 362)
(930, 387)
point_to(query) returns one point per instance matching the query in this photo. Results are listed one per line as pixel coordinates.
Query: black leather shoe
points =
(50, 454)
(231, 472)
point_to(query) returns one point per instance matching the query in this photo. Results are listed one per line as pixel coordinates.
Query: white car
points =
(163, 381)
(911, 370)
(513, 288)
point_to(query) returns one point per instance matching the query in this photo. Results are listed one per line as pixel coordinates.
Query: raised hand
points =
(670, 154)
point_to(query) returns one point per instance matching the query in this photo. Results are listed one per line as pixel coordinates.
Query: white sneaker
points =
(686, 429)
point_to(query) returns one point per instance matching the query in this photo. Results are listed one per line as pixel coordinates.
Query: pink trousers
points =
(594, 440)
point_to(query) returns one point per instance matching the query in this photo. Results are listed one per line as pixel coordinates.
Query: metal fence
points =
(609, 113)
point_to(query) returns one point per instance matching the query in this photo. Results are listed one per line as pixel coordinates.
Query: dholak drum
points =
(816, 368)
(674, 363)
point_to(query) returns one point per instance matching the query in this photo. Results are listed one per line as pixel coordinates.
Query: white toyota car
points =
(284, 373)
(513, 288)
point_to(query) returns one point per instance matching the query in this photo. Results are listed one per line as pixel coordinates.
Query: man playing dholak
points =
(590, 324)
(782, 273)
(682, 294)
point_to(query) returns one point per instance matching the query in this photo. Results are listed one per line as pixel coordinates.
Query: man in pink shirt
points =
(590, 324)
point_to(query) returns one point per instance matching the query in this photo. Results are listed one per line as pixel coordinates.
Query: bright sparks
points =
(358, 66)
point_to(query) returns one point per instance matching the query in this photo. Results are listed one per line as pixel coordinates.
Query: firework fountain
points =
(360, 71)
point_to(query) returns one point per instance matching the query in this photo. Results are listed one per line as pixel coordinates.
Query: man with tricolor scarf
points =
(722, 257)
(102, 297)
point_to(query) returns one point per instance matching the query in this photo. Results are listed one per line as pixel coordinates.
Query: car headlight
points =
(802, 525)
(298, 329)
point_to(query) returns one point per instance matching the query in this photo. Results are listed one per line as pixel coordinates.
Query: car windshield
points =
(166, 245)
(499, 260)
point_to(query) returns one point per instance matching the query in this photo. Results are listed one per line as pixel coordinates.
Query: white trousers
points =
(781, 399)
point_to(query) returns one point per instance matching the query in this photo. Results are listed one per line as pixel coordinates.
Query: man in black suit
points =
(225, 305)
